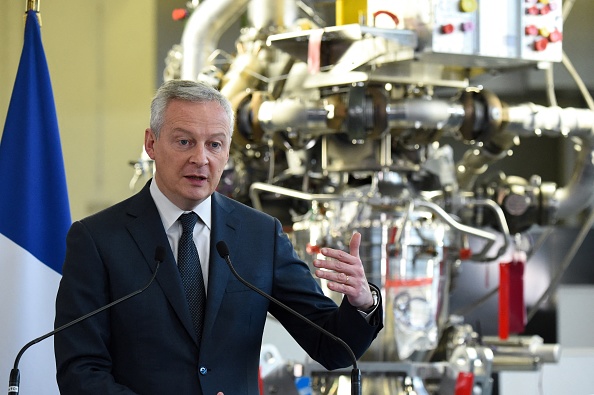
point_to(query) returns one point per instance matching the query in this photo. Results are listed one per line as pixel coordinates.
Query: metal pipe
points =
(424, 113)
(312, 116)
(295, 114)
(490, 237)
(528, 346)
(532, 120)
(260, 186)
(264, 14)
(203, 30)
(504, 363)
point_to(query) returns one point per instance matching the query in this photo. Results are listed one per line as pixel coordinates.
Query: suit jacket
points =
(146, 345)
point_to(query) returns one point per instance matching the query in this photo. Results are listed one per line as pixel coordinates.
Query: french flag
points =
(34, 219)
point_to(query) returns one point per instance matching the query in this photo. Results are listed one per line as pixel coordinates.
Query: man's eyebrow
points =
(180, 129)
(220, 134)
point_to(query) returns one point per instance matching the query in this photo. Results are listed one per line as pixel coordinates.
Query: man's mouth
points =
(198, 178)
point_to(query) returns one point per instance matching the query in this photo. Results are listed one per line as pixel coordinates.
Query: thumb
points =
(354, 244)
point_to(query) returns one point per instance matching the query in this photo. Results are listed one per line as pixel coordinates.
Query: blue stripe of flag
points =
(34, 207)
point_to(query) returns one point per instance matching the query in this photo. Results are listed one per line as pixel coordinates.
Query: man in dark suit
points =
(154, 343)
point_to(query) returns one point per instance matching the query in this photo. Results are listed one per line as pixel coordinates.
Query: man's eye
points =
(184, 142)
(215, 145)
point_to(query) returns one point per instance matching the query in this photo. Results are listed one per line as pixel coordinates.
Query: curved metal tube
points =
(260, 186)
(203, 31)
(462, 228)
(530, 120)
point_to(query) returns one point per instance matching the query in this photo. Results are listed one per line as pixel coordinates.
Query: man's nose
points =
(199, 155)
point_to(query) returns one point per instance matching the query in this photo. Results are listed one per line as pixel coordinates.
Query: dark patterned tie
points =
(188, 264)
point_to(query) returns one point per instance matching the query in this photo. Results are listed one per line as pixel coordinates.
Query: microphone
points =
(15, 376)
(223, 251)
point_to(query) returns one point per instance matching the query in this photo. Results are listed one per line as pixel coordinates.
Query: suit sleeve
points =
(82, 356)
(295, 286)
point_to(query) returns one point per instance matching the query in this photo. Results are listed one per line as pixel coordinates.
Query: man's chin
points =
(193, 199)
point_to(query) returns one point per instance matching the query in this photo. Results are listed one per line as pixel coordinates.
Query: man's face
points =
(191, 152)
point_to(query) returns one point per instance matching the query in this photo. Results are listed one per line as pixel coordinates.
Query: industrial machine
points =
(345, 117)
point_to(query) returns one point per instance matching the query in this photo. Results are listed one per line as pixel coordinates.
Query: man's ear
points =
(149, 142)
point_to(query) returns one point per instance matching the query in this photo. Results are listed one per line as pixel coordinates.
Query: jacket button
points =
(203, 370)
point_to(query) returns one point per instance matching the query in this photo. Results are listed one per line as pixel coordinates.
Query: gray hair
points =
(196, 92)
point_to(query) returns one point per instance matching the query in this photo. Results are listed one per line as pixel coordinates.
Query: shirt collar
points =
(170, 213)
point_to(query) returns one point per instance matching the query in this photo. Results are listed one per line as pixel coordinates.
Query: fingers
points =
(352, 257)
(343, 270)
(339, 281)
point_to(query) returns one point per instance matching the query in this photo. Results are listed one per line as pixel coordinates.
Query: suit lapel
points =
(225, 228)
(147, 230)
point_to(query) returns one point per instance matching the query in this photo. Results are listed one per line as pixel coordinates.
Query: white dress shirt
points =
(170, 213)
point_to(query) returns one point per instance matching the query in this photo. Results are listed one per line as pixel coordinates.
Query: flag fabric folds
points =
(34, 218)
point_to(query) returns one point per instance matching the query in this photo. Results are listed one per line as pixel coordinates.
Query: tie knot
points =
(188, 220)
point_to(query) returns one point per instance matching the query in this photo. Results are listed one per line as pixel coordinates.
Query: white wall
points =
(574, 372)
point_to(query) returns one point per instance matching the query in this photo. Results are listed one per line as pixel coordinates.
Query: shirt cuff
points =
(367, 314)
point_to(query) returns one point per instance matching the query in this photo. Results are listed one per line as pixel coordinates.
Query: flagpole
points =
(33, 5)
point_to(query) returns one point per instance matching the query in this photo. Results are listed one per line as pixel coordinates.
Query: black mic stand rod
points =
(223, 251)
(15, 376)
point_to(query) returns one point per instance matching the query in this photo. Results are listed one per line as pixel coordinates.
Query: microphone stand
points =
(223, 251)
(15, 376)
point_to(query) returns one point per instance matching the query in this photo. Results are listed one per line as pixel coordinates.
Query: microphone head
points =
(159, 254)
(222, 249)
